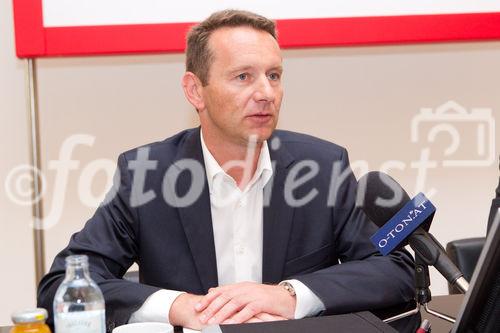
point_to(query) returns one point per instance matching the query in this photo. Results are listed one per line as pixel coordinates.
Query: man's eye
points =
(274, 76)
(243, 76)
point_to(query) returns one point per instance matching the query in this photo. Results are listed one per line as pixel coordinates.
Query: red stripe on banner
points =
(116, 39)
(389, 29)
(293, 33)
(28, 25)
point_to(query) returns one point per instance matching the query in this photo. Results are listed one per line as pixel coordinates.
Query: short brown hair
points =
(198, 55)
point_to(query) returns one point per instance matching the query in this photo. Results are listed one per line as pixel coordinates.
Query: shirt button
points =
(240, 249)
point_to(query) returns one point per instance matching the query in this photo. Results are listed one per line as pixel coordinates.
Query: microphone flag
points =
(413, 214)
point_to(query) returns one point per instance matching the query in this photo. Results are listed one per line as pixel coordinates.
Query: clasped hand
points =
(245, 302)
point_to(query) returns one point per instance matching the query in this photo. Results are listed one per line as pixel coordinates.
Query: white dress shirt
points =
(237, 223)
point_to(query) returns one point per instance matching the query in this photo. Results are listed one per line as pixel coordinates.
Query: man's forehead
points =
(240, 30)
(240, 44)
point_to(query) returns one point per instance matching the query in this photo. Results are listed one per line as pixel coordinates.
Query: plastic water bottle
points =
(78, 303)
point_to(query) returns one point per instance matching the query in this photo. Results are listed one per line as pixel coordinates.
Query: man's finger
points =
(228, 310)
(244, 315)
(213, 307)
(213, 293)
(251, 320)
(264, 316)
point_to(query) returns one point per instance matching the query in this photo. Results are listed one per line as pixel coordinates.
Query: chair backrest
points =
(464, 253)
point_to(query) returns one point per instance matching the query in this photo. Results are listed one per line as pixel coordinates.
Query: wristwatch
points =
(288, 287)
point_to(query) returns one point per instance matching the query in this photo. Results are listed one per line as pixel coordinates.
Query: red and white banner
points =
(85, 27)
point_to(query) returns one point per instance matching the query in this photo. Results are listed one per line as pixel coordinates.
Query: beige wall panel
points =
(122, 102)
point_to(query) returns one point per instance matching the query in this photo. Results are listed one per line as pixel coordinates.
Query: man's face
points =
(244, 91)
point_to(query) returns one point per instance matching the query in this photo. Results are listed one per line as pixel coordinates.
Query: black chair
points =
(464, 253)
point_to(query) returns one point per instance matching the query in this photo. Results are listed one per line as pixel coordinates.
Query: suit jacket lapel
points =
(277, 219)
(197, 218)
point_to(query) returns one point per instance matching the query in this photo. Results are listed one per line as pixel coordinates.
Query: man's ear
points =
(193, 88)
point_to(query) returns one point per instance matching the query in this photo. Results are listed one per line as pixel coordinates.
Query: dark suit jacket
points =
(174, 246)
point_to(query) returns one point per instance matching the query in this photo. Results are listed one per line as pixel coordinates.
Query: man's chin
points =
(260, 135)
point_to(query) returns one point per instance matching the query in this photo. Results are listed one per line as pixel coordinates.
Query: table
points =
(449, 304)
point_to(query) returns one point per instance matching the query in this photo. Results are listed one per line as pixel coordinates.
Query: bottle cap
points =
(78, 259)
(29, 316)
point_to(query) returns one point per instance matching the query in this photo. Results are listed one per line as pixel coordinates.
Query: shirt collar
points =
(212, 167)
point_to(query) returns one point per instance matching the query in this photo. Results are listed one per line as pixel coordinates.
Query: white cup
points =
(144, 327)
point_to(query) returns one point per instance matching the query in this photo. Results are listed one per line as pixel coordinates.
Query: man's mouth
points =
(261, 114)
(260, 117)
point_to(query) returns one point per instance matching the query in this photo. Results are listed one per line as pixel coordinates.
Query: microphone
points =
(385, 200)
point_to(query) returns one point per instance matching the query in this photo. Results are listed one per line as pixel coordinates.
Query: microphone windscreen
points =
(383, 198)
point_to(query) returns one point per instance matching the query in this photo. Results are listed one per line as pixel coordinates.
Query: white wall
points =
(362, 97)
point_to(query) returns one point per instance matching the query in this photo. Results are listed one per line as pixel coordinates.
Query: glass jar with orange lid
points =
(30, 321)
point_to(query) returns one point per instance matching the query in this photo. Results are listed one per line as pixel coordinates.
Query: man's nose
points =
(264, 90)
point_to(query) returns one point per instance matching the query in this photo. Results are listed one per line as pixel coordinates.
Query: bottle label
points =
(80, 322)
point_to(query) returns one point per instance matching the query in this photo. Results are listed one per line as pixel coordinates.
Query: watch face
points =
(289, 288)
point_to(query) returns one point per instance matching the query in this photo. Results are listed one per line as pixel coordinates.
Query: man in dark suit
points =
(234, 221)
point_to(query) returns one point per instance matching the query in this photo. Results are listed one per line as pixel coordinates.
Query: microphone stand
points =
(422, 293)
